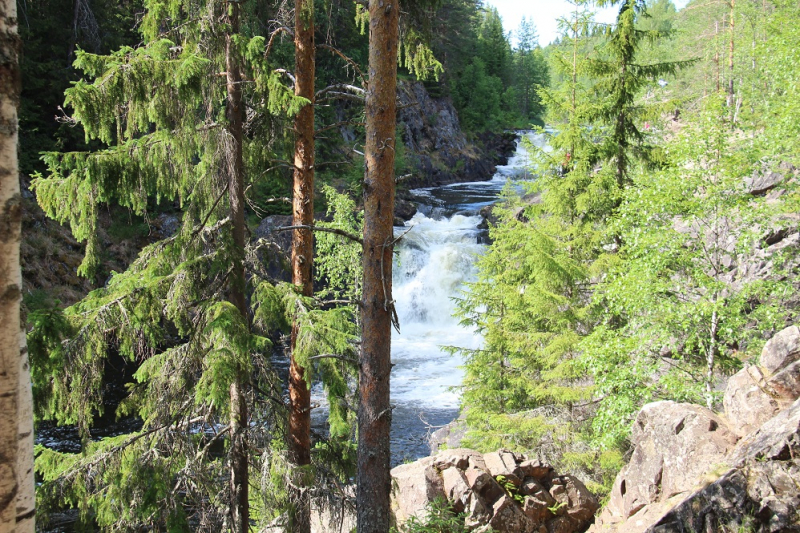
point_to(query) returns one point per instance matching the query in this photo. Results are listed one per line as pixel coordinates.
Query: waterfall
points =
(435, 258)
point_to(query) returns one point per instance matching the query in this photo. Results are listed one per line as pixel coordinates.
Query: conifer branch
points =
(349, 61)
(282, 29)
(333, 356)
(322, 228)
(339, 124)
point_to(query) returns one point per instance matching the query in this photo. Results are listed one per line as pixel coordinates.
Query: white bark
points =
(16, 413)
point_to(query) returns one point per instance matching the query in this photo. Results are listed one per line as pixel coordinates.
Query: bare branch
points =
(334, 356)
(341, 87)
(282, 29)
(339, 124)
(324, 229)
(347, 60)
(287, 74)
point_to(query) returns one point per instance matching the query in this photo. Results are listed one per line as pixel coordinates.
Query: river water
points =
(435, 258)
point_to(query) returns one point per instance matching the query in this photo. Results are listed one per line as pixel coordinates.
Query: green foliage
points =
(159, 111)
(510, 489)
(438, 519)
(493, 87)
(338, 261)
(686, 311)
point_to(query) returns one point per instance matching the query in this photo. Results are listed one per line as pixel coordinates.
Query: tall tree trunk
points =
(302, 254)
(239, 510)
(16, 413)
(374, 411)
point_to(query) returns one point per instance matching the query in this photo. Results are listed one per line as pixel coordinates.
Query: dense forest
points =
(649, 255)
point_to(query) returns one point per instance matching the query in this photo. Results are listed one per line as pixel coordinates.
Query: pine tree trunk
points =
(16, 407)
(239, 510)
(374, 411)
(302, 254)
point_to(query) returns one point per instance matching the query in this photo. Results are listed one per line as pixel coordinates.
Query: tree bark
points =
(302, 255)
(16, 405)
(239, 483)
(374, 411)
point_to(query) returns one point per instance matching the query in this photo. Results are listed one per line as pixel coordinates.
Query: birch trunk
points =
(16, 408)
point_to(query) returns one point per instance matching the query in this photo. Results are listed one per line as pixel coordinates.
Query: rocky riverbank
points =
(437, 148)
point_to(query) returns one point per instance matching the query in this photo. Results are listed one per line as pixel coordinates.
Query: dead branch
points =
(324, 229)
(349, 61)
(339, 124)
(282, 29)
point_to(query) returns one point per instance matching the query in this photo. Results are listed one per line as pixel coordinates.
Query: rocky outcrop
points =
(757, 393)
(692, 470)
(437, 149)
(448, 436)
(502, 491)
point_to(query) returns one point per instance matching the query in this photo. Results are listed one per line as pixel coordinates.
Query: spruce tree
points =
(194, 311)
(533, 298)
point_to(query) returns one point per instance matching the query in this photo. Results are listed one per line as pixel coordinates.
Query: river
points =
(434, 260)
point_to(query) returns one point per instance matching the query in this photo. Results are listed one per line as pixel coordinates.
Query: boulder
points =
(531, 499)
(749, 401)
(756, 394)
(674, 445)
(448, 436)
(455, 488)
(535, 469)
(537, 508)
(403, 210)
(786, 383)
(414, 485)
(500, 463)
(781, 350)
(581, 504)
(760, 493)
(508, 517)
(751, 486)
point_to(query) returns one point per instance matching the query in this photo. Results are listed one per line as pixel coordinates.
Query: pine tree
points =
(377, 308)
(621, 77)
(302, 251)
(16, 413)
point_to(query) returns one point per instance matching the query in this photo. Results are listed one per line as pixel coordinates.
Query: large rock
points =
(749, 401)
(757, 393)
(436, 147)
(781, 350)
(530, 498)
(674, 444)
(752, 486)
(414, 485)
(759, 494)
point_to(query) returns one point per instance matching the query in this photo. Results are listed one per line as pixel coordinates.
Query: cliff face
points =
(437, 149)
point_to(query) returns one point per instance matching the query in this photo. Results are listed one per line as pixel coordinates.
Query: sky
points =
(545, 14)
